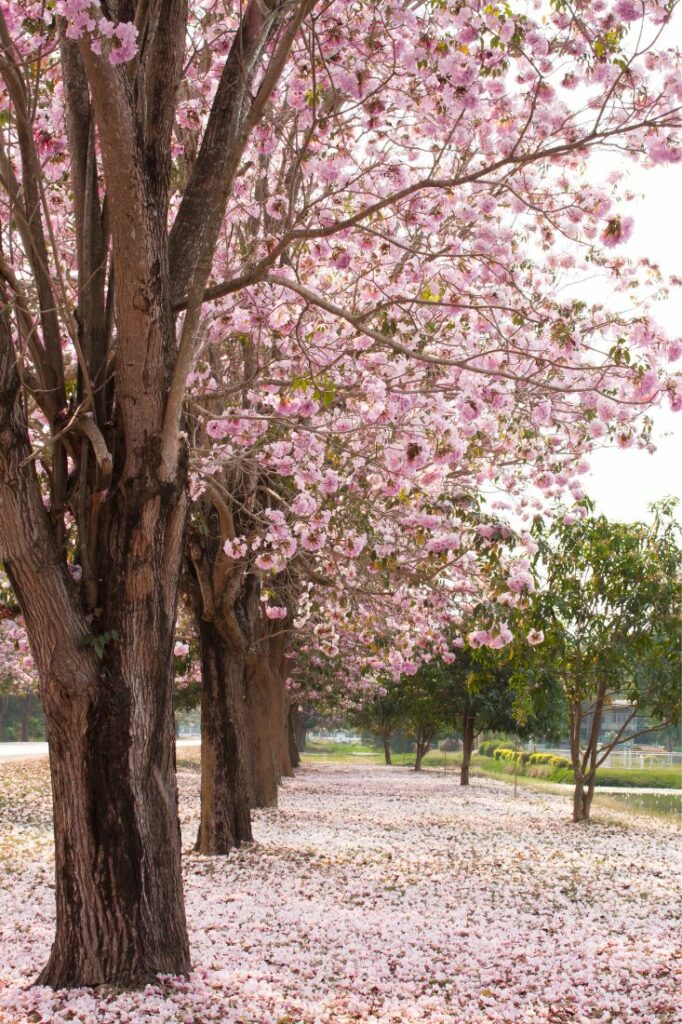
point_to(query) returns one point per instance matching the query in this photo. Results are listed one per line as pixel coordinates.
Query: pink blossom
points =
(275, 612)
(617, 230)
(629, 10)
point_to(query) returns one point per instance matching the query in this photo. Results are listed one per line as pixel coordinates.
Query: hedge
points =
(488, 747)
(502, 752)
(553, 759)
(507, 754)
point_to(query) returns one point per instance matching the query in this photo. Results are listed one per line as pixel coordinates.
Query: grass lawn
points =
(667, 777)
(352, 753)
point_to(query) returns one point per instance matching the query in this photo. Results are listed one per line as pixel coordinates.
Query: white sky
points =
(624, 482)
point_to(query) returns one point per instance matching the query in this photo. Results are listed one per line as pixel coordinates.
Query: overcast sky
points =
(624, 482)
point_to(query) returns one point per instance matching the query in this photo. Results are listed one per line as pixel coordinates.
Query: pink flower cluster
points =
(116, 40)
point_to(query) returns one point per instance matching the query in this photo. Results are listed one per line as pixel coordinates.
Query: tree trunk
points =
(585, 762)
(387, 749)
(294, 755)
(582, 799)
(106, 686)
(279, 700)
(259, 685)
(467, 747)
(120, 913)
(225, 797)
(301, 732)
(422, 748)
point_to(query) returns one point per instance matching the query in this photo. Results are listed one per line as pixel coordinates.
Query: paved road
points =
(26, 751)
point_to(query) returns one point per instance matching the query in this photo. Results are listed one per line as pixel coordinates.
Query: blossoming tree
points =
(394, 195)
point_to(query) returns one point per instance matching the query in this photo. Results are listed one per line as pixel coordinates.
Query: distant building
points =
(614, 717)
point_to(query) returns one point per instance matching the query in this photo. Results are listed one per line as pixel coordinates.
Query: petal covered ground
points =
(379, 895)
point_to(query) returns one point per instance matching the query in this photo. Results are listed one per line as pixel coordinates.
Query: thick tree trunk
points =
(106, 688)
(225, 796)
(468, 722)
(386, 740)
(225, 602)
(259, 686)
(294, 755)
(120, 913)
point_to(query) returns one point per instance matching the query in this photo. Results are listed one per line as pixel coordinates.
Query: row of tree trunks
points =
(259, 683)
(226, 792)
(248, 742)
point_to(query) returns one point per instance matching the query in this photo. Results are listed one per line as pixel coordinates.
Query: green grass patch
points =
(356, 753)
(667, 777)
(323, 750)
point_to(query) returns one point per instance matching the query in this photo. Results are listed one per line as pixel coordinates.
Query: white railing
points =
(629, 758)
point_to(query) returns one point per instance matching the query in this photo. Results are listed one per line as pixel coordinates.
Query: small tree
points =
(380, 717)
(423, 706)
(607, 611)
(485, 691)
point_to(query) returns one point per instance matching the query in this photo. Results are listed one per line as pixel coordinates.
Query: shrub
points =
(552, 759)
(488, 747)
(507, 754)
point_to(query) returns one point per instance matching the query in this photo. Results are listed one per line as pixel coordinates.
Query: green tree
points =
(380, 716)
(423, 707)
(608, 611)
(486, 691)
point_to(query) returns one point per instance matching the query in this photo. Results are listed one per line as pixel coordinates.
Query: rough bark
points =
(120, 916)
(468, 723)
(225, 603)
(225, 797)
(259, 689)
